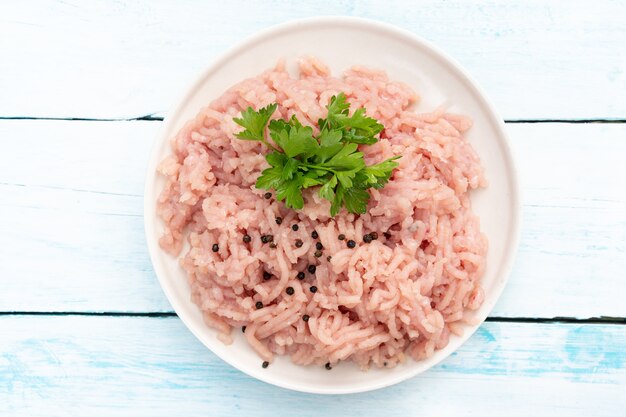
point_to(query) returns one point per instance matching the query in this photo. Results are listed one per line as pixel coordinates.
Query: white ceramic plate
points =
(439, 81)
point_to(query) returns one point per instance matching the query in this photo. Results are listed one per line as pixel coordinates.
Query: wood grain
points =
(101, 59)
(71, 226)
(72, 232)
(69, 366)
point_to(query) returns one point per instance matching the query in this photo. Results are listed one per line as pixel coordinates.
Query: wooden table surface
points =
(85, 329)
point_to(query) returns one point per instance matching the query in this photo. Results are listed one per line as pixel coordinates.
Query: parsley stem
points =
(317, 167)
(269, 145)
(333, 170)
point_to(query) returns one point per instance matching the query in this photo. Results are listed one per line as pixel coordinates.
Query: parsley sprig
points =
(330, 160)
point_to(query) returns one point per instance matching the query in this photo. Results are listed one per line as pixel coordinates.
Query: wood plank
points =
(124, 366)
(572, 254)
(99, 59)
(72, 233)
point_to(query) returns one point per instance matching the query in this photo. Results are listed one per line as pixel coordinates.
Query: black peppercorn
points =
(313, 289)
(311, 269)
(215, 247)
(264, 239)
(299, 243)
(243, 329)
(279, 220)
(374, 235)
(327, 366)
(258, 305)
(300, 275)
(295, 227)
(305, 317)
(289, 291)
(247, 238)
(351, 244)
(341, 237)
(319, 246)
(318, 254)
(367, 238)
(266, 275)
(272, 245)
(268, 195)
(265, 364)
(314, 234)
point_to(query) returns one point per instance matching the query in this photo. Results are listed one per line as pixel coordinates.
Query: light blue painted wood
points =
(75, 242)
(71, 234)
(102, 366)
(537, 59)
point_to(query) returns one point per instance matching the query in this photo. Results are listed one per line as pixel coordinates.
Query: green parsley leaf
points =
(294, 121)
(353, 137)
(270, 178)
(378, 175)
(364, 125)
(359, 128)
(337, 202)
(310, 179)
(347, 158)
(291, 192)
(356, 199)
(295, 140)
(290, 169)
(276, 159)
(327, 191)
(254, 122)
(330, 145)
(345, 177)
(338, 105)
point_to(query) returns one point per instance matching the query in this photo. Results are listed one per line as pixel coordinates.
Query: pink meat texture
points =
(400, 295)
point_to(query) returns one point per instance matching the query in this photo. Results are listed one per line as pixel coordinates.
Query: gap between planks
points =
(560, 320)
